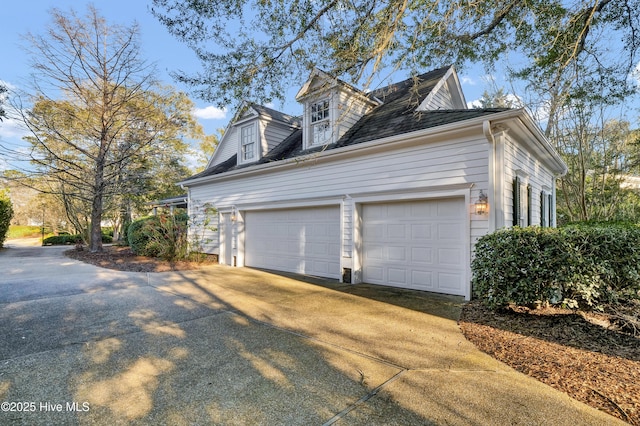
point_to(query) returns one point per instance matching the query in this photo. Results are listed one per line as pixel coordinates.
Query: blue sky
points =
(18, 17)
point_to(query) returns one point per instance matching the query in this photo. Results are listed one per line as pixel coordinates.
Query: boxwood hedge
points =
(575, 266)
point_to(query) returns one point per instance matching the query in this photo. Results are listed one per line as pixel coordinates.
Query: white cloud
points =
(467, 81)
(210, 113)
(12, 129)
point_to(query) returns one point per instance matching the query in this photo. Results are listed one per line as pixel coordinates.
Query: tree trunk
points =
(95, 236)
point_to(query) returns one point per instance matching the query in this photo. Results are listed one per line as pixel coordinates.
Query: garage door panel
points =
(397, 276)
(421, 232)
(305, 241)
(452, 208)
(397, 254)
(449, 231)
(450, 257)
(422, 279)
(417, 244)
(397, 231)
(449, 281)
(422, 255)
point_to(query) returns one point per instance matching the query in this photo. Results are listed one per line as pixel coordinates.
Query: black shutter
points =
(516, 201)
(543, 213)
(550, 209)
(529, 205)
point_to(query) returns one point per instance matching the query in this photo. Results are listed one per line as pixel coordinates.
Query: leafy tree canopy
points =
(251, 50)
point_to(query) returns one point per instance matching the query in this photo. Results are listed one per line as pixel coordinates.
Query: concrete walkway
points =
(85, 345)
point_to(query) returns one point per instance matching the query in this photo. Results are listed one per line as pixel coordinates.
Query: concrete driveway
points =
(85, 345)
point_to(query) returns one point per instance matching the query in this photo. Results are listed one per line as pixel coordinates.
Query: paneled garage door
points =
(418, 245)
(305, 241)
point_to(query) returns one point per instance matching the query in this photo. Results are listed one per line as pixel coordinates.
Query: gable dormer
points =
(446, 94)
(259, 129)
(246, 129)
(330, 108)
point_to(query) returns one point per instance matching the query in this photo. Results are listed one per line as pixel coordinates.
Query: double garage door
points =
(418, 245)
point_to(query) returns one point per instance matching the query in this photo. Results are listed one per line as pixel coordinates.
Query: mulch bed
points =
(123, 259)
(575, 353)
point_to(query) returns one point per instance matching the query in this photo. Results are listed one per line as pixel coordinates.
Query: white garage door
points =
(418, 245)
(305, 241)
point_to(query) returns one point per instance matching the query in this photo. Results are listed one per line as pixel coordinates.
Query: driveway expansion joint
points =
(364, 399)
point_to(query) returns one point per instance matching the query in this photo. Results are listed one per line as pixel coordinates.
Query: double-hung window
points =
(248, 142)
(522, 194)
(320, 125)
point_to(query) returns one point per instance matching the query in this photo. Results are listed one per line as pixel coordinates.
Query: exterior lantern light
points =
(233, 214)
(482, 205)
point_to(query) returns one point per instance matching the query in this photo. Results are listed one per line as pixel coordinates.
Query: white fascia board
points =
(543, 147)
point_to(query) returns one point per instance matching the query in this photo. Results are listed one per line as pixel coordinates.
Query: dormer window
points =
(320, 124)
(248, 142)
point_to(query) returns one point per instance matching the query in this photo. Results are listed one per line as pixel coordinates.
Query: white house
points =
(389, 187)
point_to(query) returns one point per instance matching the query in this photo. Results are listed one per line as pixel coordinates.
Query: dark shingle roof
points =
(396, 115)
(277, 115)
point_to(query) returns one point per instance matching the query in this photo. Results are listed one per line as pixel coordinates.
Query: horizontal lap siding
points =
(228, 146)
(413, 168)
(273, 133)
(516, 158)
(418, 167)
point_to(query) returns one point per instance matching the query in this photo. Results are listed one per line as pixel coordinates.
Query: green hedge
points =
(575, 266)
(6, 213)
(70, 239)
(61, 240)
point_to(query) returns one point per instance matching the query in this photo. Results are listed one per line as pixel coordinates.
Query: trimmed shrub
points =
(56, 240)
(63, 239)
(577, 266)
(6, 213)
(162, 236)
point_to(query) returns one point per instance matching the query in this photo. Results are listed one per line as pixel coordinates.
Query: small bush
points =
(6, 213)
(162, 236)
(56, 240)
(62, 239)
(576, 266)
(138, 235)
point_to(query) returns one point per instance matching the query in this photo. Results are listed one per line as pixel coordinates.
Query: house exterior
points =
(390, 187)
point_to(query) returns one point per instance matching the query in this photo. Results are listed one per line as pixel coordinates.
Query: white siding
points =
(272, 133)
(349, 110)
(418, 168)
(204, 225)
(440, 99)
(517, 160)
(228, 146)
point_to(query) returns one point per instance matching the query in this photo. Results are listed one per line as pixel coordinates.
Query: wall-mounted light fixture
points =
(482, 205)
(234, 215)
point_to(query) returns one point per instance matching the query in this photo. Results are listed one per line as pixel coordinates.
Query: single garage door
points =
(305, 241)
(418, 245)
